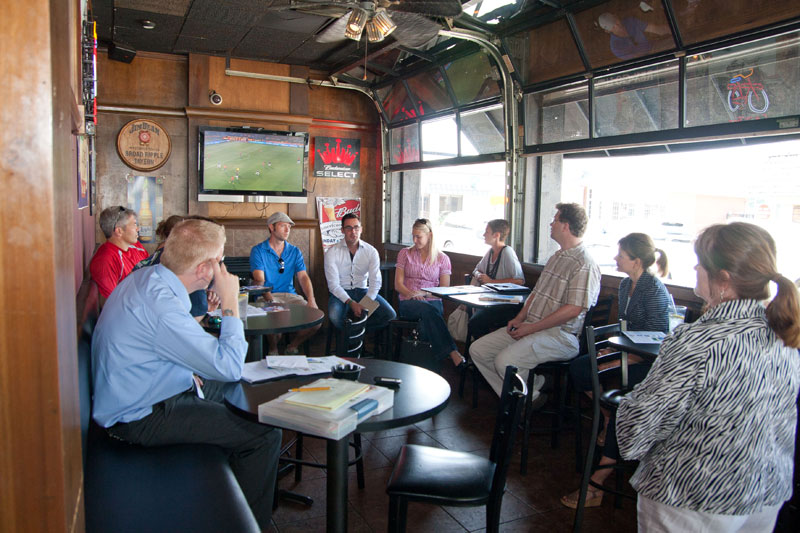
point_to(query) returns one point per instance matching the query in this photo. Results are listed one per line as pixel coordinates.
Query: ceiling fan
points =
(406, 20)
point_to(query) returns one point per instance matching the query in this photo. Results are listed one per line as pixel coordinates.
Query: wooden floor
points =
(531, 502)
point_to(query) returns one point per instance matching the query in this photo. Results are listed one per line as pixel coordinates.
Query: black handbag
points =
(414, 351)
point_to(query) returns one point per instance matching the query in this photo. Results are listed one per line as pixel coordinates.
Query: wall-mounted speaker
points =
(121, 52)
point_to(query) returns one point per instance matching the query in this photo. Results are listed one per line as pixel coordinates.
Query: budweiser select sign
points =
(331, 211)
(335, 157)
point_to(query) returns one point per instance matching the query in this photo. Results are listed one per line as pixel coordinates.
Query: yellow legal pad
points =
(341, 390)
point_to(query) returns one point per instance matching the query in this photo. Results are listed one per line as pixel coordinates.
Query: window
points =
(637, 101)
(671, 197)
(747, 82)
(557, 115)
(483, 131)
(473, 78)
(459, 201)
(404, 146)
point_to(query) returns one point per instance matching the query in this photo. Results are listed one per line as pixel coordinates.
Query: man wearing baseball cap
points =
(275, 262)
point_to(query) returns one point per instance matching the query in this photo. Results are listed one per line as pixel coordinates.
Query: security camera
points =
(215, 98)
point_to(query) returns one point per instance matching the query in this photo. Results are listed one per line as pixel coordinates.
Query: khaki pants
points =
(493, 352)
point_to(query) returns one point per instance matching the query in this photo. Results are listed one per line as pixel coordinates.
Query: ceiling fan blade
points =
(334, 32)
(413, 30)
(437, 8)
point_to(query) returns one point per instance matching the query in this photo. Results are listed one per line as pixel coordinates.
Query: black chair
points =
(595, 338)
(349, 343)
(396, 329)
(350, 338)
(598, 314)
(239, 266)
(446, 477)
(470, 367)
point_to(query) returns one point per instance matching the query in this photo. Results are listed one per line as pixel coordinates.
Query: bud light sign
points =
(336, 158)
(331, 211)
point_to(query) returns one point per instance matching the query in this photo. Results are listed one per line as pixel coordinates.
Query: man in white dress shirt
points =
(352, 268)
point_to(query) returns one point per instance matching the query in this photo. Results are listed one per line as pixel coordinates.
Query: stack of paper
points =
(288, 361)
(327, 423)
(645, 337)
(259, 371)
(504, 298)
(332, 393)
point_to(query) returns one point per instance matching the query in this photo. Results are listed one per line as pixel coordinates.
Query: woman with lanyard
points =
(499, 265)
(644, 305)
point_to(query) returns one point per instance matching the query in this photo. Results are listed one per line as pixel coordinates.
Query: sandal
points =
(594, 498)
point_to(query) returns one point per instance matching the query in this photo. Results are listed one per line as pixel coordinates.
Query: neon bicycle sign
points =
(744, 91)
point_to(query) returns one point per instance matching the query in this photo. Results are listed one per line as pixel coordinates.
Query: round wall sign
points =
(143, 145)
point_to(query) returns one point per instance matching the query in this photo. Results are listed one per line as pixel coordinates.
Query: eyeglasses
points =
(119, 214)
(280, 262)
(351, 228)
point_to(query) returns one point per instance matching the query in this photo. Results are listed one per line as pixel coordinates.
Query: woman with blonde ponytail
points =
(713, 423)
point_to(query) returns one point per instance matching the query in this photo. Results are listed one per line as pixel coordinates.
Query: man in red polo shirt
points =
(116, 257)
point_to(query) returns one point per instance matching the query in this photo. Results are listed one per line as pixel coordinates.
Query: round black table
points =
(294, 318)
(421, 395)
(647, 351)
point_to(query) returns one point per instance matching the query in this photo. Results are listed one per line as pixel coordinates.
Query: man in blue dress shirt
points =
(158, 374)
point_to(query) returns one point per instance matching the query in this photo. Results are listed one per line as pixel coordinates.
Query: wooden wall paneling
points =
(40, 451)
(198, 80)
(157, 80)
(65, 40)
(298, 94)
(345, 105)
(112, 173)
(249, 93)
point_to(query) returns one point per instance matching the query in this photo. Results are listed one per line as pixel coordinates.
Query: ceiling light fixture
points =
(356, 23)
(147, 24)
(381, 25)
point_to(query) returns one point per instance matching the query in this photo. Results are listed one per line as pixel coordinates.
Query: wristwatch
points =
(227, 312)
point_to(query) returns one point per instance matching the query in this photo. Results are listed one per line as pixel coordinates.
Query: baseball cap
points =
(279, 217)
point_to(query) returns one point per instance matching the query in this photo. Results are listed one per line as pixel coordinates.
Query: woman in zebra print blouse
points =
(713, 423)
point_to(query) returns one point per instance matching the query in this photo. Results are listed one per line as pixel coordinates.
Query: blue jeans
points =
(433, 328)
(337, 310)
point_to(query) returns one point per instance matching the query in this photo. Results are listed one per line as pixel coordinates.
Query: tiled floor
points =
(531, 502)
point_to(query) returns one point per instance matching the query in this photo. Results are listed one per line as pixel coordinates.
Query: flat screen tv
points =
(251, 162)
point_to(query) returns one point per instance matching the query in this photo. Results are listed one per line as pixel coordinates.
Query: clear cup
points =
(243, 306)
(677, 316)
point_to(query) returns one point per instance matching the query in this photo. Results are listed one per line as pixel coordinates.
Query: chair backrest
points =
(512, 399)
(597, 315)
(239, 265)
(595, 338)
(351, 336)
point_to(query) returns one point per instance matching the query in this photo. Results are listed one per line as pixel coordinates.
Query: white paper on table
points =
(259, 371)
(288, 361)
(645, 337)
(252, 310)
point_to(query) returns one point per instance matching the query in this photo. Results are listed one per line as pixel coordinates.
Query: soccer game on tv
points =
(240, 162)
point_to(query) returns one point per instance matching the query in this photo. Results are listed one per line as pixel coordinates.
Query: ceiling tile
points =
(235, 12)
(163, 7)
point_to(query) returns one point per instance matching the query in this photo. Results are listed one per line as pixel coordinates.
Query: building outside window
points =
(671, 197)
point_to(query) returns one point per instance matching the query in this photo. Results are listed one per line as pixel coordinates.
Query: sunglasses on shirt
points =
(280, 262)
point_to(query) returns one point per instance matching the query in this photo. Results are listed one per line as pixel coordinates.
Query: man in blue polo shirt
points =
(275, 262)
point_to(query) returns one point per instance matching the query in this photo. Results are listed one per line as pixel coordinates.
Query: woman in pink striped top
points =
(420, 266)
